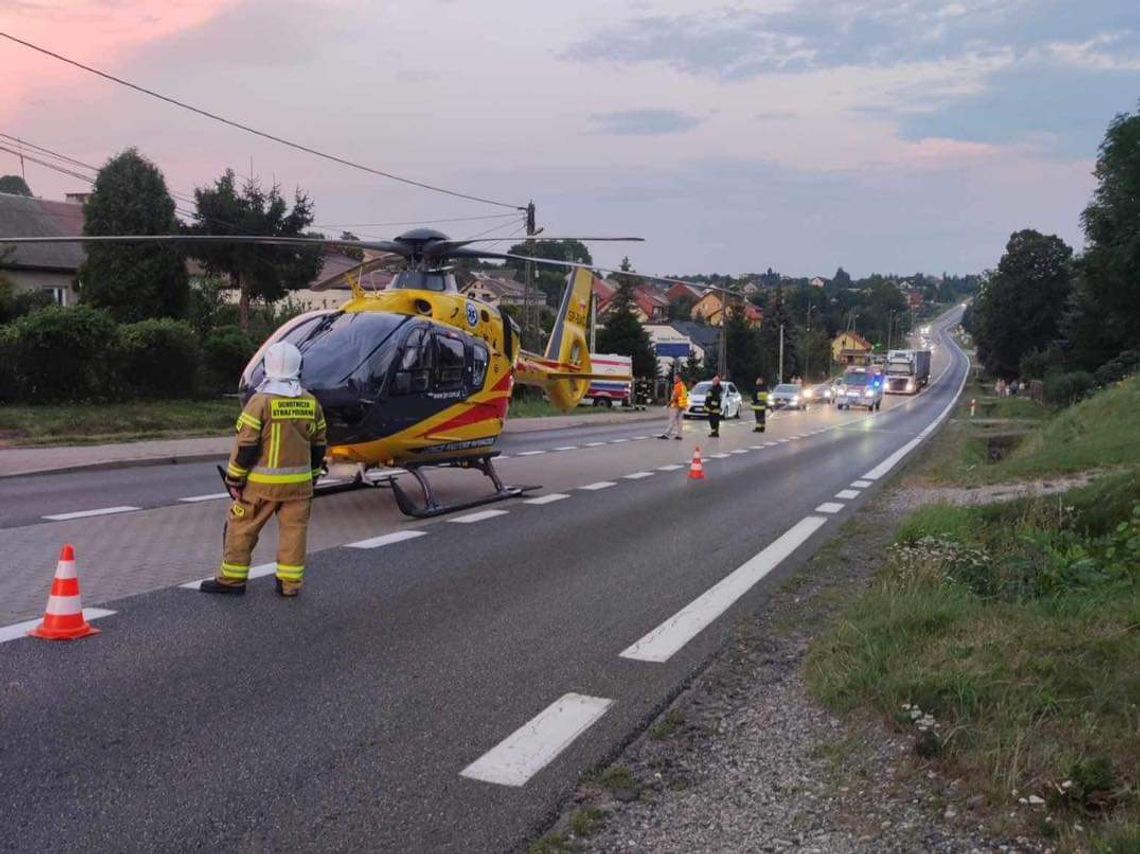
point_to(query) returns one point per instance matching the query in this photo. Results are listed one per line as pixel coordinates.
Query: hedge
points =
(79, 354)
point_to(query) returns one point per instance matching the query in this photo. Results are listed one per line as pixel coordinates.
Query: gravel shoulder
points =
(745, 760)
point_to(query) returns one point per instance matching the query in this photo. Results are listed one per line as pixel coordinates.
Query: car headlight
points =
(869, 393)
(795, 398)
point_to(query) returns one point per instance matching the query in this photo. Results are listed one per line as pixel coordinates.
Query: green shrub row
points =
(81, 354)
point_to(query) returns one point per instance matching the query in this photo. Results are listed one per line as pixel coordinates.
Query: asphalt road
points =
(343, 720)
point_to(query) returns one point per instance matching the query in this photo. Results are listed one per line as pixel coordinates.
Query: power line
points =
(263, 134)
(418, 221)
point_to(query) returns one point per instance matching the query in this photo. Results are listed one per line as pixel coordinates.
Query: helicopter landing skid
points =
(431, 507)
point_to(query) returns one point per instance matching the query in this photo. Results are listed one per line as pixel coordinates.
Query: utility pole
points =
(890, 328)
(781, 377)
(20, 148)
(722, 348)
(529, 285)
(807, 345)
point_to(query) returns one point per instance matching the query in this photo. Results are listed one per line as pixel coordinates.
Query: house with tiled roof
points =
(710, 309)
(52, 267)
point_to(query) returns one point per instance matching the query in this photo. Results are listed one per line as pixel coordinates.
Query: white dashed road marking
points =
(672, 635)
(739, 451)
(847, 494)
(567, 448)
(639, 438)
(717, 456)
(618, 441)
(594, 444)
(213, 496)
(19, 630)
(529, 453)
(861, 484)
(829, 507)
(638, 475)
(601, 484)
(83, 514)
(532, 747)
(669, 468)
(547, 499)
(478, 517)
(386, 539)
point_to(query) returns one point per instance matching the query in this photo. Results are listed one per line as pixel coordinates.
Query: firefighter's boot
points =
(213, 585)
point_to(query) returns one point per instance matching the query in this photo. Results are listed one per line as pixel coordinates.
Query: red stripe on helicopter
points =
(478, 413)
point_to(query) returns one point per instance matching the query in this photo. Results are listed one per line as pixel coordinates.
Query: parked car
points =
(731, 401)
(787, 396)
(860, 388)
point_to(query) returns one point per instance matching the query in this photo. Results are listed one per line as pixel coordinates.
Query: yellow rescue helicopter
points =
(418, 375)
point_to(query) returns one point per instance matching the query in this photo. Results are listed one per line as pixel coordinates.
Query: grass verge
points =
(78, 424)
(1012, 439)
(1007, 639)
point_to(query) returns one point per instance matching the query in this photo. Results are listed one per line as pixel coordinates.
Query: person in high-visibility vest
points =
(678, 403)
(760, 404)
(713, 400)
(277, 457)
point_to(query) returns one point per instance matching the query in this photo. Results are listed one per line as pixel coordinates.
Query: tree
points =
(350, 251)
(1104, 316)
(841, 279)
(550, 280)
(682, 308)
(14, 185)
(742, 346)
(132, 281)
(1019, 306)
(776, 315)
(623, 333)
(262, 272)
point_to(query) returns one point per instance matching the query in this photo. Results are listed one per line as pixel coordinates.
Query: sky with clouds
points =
(796, 134)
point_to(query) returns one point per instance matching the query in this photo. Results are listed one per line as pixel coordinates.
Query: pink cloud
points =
(96, 32)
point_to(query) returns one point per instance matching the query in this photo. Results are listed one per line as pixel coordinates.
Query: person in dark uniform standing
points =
(760, 404)
(713, 402)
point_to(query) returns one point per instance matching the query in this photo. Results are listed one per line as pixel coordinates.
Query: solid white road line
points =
(829, 507)
(669, 468)
(861, 484)
(601, 484)
(386, 539)
(547, 499)
(672, 635)
(532, 747)
(259, 571)
(847, 494)
(637, 475)
(213, 496)
(478, 517)
(567, 448)
(83, 514)
(529, 453)
(894, 459)
(19, 630)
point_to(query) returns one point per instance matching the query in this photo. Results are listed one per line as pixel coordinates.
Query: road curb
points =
(518, 426)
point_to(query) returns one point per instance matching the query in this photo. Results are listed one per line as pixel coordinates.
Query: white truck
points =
(907, 371)
(606, 392)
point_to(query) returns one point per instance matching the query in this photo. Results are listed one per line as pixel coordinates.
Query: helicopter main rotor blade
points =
(575, 265)
(257, 240)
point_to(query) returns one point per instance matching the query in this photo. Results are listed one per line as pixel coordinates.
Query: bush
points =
(156, 358)
(1065, 389)
(8, 388)
(61, 353)
(1039, 364)
(14, 304)
(225, 353)
(1115, 370)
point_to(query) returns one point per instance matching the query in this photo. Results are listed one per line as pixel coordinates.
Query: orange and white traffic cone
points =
(63, 617)
(696, 467)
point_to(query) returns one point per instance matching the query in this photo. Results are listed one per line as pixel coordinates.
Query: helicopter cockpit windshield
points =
(341, 350)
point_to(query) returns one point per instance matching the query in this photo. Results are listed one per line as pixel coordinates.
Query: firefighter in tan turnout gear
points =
(277, 457)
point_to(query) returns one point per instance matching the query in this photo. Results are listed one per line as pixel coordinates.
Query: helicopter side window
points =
(479, 360)
(413, 371)
(450, 358)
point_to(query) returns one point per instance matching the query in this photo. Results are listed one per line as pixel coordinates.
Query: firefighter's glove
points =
(234, 487)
